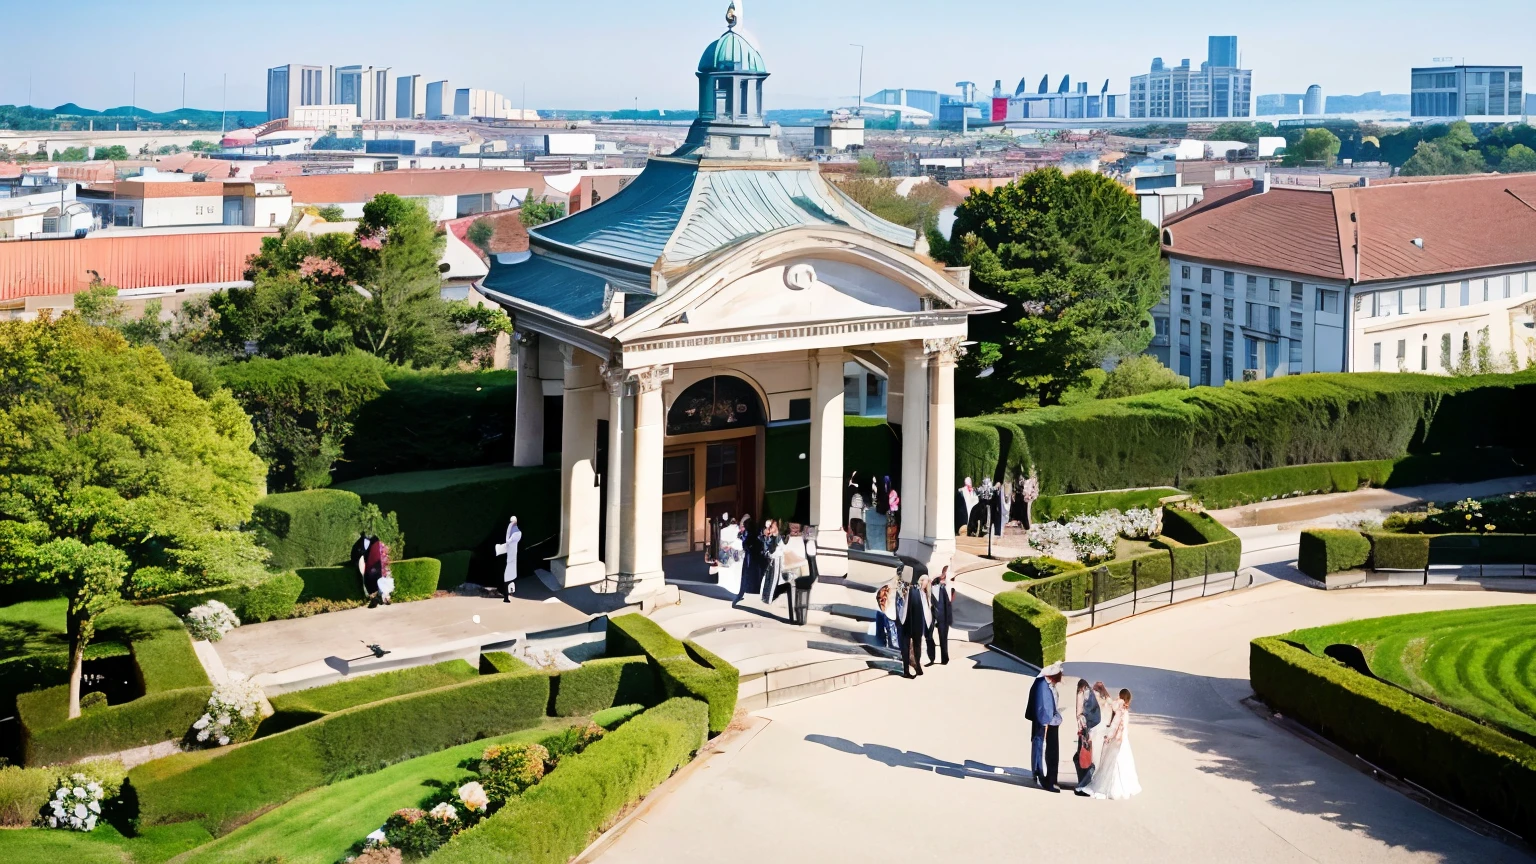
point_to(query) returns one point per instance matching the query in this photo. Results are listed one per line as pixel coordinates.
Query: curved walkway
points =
(938, 769)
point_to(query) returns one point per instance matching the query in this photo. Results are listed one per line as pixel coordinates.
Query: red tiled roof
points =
(357, 188)
(34, 268)
(277, 170)
(510, 236)
(192, 163)
(1464, 223)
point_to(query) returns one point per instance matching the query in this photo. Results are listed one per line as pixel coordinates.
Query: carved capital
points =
(568, 353)
(945, 350)
(615, 376)
(651, 378)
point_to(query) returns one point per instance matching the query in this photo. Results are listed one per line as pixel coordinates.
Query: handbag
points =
(1084, 750)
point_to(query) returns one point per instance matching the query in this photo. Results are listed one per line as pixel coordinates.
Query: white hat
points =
(1051, 670)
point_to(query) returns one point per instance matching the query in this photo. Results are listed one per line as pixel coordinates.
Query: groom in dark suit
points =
(1044, 716)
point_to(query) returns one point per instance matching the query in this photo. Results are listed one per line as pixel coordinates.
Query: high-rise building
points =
(1313, 102)
(1221, 51)
(294, 85)
(410, 97)
(1185, 93)
(366, 88)
(1492, 94)
(439, 100)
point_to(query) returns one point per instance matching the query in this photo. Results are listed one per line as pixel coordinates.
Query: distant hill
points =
(32, 118)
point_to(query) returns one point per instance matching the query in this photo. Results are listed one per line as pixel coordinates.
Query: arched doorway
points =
(712, 459)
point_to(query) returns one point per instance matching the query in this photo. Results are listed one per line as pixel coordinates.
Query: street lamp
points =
(858, 100)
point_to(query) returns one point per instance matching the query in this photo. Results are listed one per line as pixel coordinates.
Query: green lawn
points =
(1479, 661)
(102, 846)
(302, 706)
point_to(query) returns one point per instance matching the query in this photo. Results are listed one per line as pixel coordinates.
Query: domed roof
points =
(732, 53)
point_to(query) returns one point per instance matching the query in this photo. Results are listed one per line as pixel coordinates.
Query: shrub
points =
(1138, 374)
(211, 620)
(606, 681)
(1398, 551)
(24, 792)
(558, 818)
(1250, 486)
(1068, 591)
(1028, 628)
(234, 710)
(331, 583)
(467, 508)
(317, 528)
(415, 578)
(1199, 545)
(492, 662)
(433, 420)
(1040, 567)
(269, 598)
(330, 698)
(455, 570)
(506, 771)
(1331, 550)
(224, 788)
(681, 668)
(1471, 764)
(172, 679)
(1049, 508)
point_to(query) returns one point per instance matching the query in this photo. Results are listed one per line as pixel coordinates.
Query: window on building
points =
(1424, 357)
(1442, 292)
(1486, 293)
(1227, 307)
(1402, 355)
(1274, 319)
(677, 474)
(1376, 356)
(1161, 325)
(1466, 293)
(1205, 275)
(1296, 294)
(1327, 301)
(1184, 271)
(1389, 302)
(720, 463)
(1228, 279)
(1296, 322)
(1253, 287)
(1295, 356)
(1445, 351)
(1423, 297)
(1251, 358)
(1205, 305)
(1187, 299)
(1227, 341)
(1274, 290)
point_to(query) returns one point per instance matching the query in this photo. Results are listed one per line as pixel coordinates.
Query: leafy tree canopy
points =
(1138, 374)
(116, 152)
(918, 209)
(1518, 160)
(1316, 145)
(538, 212)
(1079, 270)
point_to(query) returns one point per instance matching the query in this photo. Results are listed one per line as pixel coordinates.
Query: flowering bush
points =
(417, 833)
(507, 771)
(1514, 513)
(473, 796)
(1089, 539)
(211, 621)
(76, 804)
(1140, 523)
(234, 710)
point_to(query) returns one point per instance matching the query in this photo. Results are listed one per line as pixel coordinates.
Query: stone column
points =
(914, 453)
(578, 563)
(943, 354)
(827, 480)
(528, 433)
(640, 572)
(621, 433)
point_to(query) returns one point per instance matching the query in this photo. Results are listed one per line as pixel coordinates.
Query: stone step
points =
(802, 675)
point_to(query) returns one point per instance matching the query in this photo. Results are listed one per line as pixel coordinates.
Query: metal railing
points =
(1108, 597)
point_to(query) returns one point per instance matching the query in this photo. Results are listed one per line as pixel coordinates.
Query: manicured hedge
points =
(1398, 551)
(1049, 508)
(606, 681)
(1475, 766)
(270, 598)
(467, 508)
(306, 705)
(558, 818)
(1250, 486)
(1170, 437)
(1331, 550)
(1199, 545)
(415, 579)
(172, 679)
(1028, 628)
(455, 571)
(226, 787)
(681, 668)
(308, 529)
(492, 662)
(433, 420)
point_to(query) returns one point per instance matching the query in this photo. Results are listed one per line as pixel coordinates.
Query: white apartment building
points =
(367, 89)
(1186, 92)
(295, 85)
(1434, 276)
(410, 97)
(1479, 94)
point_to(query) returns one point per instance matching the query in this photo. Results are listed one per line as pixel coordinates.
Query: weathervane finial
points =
(732, 16)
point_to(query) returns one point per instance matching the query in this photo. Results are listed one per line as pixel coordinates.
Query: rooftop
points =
(359, 188)
(1464, 223)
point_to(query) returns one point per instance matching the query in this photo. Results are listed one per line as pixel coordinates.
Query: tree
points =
(1079, 270)
(116, 152)
(115, 478)
(918, 209)
(869, 166)
(404, 318)
(1138, 374)
(480, 233)
(332, 213)
(201, 146)
(1443, 156)
(538, 212)
(1316, 145)
(1249, 133)
(1518, 159)
(70, 154)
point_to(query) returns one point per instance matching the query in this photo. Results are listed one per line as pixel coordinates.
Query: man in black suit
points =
(943, 605)
(912, 617)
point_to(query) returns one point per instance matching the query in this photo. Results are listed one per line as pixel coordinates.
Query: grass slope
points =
(320, 826)
(102, 846)
(1481, 662)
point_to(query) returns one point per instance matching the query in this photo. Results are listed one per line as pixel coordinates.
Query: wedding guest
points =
(751, 555)
(1044, 716)
(373, 568)
(729, 572)
(885, 615)
(509, 549)
(965, 501)
(893, 529)
(856, 511)
(943, 594)
(773, 562)
(912, 614)
(1088, 717)
(875, 518)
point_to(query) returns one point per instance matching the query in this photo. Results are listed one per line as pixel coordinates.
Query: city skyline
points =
(572, 64)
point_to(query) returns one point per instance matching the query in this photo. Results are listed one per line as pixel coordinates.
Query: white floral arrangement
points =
(76, 804)
(211, 621)
(1141, 523)
(234, 710)
(1088, 539)
(444, 812)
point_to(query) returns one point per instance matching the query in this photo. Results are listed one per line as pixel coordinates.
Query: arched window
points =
(721, 402)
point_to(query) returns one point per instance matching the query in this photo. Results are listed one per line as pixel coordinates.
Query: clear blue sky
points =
(603, 54)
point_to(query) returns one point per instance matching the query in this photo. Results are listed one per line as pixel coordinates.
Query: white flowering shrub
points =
(1140, 523)
(1091, 539)
(234, 711)
(211, 621)
(76, 804)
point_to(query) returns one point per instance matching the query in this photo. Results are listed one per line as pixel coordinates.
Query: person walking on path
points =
(509, 549)
(1044, 716)
(800, 588)
(1083, 756)
(943, 594)
(912, 616)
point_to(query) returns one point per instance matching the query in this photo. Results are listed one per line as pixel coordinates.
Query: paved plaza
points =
(938, 769)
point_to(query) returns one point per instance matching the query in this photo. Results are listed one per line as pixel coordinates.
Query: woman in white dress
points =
(1116, 777)
(730, 554)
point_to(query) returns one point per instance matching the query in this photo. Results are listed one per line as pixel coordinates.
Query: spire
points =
(731, 121)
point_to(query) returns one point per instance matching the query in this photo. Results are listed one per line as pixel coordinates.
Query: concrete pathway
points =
(938, 769)
(1363, 501)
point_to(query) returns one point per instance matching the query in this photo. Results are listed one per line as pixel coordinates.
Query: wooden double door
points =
(704, 476)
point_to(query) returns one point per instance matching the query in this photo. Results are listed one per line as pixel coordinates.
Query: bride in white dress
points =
(730, 556)
(1116, 775)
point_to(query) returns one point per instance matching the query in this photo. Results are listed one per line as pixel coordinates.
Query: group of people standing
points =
(1106, 768)
(874, 509)
(748, 557)
(982, 508)
(371, 558)
(911, 613)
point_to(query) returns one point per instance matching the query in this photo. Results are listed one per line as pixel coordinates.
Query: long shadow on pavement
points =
(1204, 714)
(896, 758)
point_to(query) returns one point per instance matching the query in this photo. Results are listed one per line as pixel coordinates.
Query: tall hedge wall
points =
(1475, 766)
(308, 529)
(431, 421)
(1169, 437)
